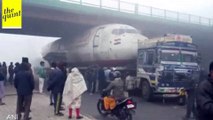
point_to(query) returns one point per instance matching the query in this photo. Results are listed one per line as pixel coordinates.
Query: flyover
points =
(68, 18)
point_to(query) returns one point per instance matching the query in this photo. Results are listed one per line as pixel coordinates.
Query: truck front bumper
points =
(170, 92)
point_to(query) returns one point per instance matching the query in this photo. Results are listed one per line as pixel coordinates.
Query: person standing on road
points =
(26, 60)
(94, 80)
(62, 67)
(74, 88)
(92, 77)
(11, 72)
(42, 76)
(191, 98)
(107, 72)
(49, 71)
(17, 68)
(205, 97)
(89, 79)
(56, 87)
(24, 84)
(129, 83)
(4, 70)
(101, 79)
(2, 91)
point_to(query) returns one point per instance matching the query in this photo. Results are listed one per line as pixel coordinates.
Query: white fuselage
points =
(111, 44)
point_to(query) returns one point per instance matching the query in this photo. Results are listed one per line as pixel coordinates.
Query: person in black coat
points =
(4, 71)
(24, 84)
(17, 68)
(191, 98)
(56, 87)
(101, 79)
(62, 67)
(11, 72)
(205, 97)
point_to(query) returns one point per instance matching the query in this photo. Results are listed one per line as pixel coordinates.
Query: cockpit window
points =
(131, 31)
(122, 31)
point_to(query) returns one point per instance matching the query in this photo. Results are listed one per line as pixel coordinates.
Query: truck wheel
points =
(182, 100)
(146, 91)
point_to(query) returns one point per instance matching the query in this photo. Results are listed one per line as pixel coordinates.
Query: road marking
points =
(89, 117)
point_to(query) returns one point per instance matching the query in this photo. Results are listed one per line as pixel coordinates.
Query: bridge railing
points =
(138, 9)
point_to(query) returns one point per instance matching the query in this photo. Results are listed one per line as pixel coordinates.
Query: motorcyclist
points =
(116, 88)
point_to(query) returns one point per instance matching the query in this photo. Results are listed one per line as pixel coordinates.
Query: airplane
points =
(105, 45)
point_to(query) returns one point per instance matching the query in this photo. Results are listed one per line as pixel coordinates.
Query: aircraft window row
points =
(122, 31)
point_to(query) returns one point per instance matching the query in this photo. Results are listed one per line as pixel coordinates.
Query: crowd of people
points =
(66, 86)
(98, 78)
(4, 79)
(22, 76)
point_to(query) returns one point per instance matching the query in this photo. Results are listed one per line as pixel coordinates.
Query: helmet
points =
(117, 74)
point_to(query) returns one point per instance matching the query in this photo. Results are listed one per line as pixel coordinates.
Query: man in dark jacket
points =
(24, 84)
(56, 87)
(205, 97)
(11, 72)
(4, 71)
(62, 67)
(191, 95)
(101, 79)
(17, 68)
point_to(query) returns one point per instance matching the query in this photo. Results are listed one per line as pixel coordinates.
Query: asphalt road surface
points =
(156, 110)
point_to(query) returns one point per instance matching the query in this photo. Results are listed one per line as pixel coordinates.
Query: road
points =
(40, 107)
(145, 110)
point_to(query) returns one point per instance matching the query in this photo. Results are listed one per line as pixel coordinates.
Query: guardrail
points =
(138, 9)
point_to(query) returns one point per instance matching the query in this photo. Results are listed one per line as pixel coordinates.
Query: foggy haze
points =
(14, 47)
(194, 7)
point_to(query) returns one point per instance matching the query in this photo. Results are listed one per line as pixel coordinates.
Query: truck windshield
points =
(177, 56)
(170, 56)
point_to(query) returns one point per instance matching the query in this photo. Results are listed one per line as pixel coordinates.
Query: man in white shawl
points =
(74, 88)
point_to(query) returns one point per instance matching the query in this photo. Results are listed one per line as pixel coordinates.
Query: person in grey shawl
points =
(2, 91)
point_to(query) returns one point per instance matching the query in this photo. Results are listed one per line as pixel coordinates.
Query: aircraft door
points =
(96, 44)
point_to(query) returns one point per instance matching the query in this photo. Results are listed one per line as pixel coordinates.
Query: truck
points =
(165, 66)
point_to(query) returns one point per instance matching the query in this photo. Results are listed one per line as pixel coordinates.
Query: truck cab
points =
(166, 66)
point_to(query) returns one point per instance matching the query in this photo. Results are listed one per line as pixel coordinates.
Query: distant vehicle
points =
(106, 45)
(165, 65)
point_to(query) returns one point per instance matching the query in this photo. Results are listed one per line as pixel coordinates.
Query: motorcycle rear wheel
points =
(125, 116)
(128, 116)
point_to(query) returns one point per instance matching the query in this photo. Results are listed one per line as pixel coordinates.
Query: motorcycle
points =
(123, 110)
